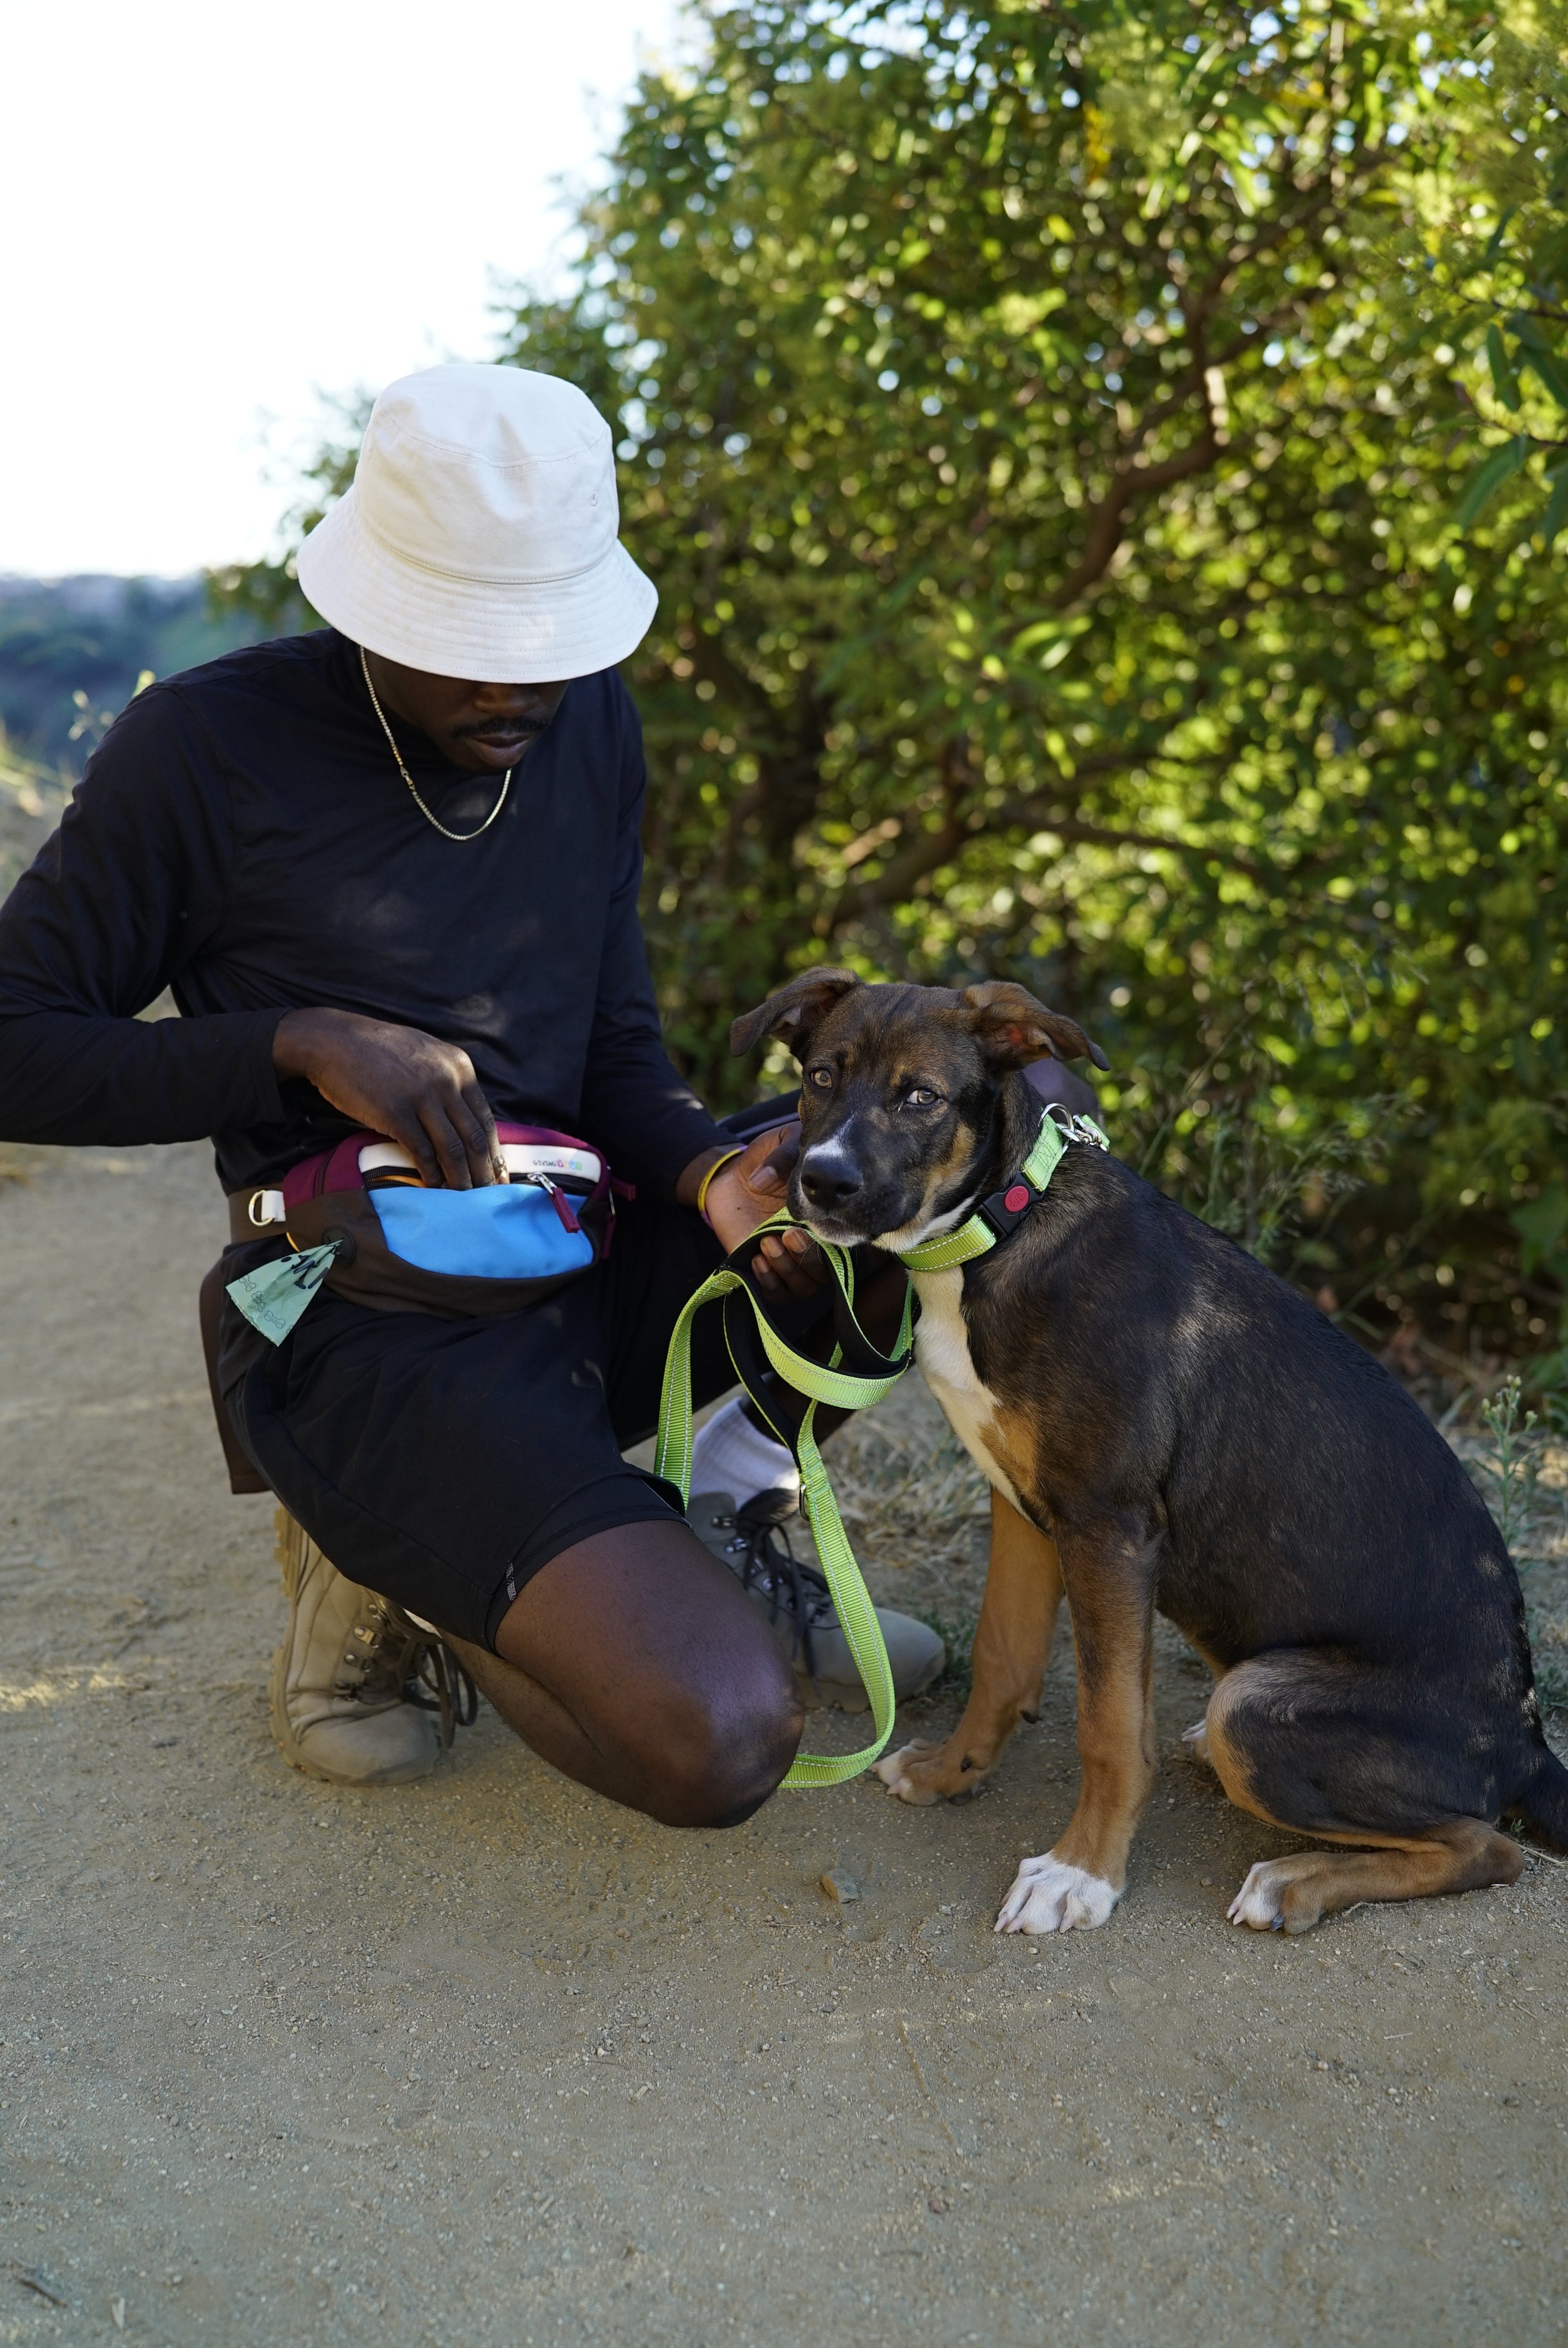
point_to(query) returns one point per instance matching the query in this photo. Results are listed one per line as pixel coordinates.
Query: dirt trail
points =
(485, 2060)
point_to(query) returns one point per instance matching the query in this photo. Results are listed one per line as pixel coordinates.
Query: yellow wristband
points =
(717, 1167)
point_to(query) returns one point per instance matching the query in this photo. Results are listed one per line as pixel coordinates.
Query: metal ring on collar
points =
(1073, 1128)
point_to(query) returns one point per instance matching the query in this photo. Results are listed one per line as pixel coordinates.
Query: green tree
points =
(1494, 274)
(1045, 430)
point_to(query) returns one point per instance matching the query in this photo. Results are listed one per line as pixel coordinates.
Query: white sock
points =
(730, 1455)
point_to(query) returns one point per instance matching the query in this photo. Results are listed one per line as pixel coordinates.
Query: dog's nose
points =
(829, 1182)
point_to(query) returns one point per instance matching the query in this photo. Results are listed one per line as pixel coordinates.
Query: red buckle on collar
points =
(1005, 1210)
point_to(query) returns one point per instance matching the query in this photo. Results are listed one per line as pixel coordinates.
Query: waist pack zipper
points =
(558, 1199)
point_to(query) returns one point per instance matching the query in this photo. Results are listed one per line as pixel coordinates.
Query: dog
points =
(1166, 1425)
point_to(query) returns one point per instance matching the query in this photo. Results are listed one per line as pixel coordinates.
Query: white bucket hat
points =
(478, 539)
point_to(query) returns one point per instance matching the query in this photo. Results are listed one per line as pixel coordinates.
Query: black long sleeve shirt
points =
(242, 837)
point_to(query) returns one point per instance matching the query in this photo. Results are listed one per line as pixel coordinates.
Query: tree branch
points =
(1105, 518)
(1022, 812)
(710, 661)
(929, 850)
(923, 852)
(1138, 481)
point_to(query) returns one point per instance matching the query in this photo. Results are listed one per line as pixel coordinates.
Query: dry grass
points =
(1540, 1542)
(910, 1496)
(918, 1512)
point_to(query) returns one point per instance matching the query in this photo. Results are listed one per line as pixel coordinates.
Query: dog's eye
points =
(821, 1077)
(921, 1097)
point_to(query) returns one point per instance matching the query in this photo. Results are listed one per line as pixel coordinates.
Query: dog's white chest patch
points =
(942, 1351)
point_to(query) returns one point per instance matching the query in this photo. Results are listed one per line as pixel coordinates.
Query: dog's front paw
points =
(1049, 1896)
(924, 1773)
(1279, 1895)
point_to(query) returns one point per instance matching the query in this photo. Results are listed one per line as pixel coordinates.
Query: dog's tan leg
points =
(1292, 1894)
(1012, 1648)
(1079, 1881)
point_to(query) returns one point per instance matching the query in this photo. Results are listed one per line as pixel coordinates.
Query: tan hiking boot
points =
(346, 1699)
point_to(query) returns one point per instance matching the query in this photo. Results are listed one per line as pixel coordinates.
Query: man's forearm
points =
(73, 1077)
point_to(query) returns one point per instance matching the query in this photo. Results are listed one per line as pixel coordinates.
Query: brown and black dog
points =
(1166, 1425)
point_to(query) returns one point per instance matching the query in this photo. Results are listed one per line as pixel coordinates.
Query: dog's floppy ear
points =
(1012, 1029)
(793, 1011)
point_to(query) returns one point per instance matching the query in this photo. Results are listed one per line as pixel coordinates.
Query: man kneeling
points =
(394, 900)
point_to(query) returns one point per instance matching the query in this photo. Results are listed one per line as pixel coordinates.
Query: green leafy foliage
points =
(1046, 434)
(1491, 260)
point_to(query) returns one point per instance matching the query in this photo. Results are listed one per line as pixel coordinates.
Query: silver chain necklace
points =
(391, 746)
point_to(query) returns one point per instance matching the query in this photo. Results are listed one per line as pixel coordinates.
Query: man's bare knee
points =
(729, 1754)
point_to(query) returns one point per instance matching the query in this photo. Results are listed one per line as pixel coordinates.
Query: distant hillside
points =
(95, 636)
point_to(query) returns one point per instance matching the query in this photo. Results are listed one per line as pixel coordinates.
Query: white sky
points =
(212, 212)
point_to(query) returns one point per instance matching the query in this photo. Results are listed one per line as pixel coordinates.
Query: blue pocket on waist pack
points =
(501, 1232)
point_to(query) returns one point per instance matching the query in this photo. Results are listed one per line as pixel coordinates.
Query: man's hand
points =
(746, 1193)
(400, 1082)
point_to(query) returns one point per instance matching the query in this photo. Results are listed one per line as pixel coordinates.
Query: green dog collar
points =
(998, 1217)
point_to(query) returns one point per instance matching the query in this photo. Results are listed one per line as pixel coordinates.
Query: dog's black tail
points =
(1543, 1801)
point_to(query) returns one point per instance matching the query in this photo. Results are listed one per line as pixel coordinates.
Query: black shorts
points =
(444, 1462)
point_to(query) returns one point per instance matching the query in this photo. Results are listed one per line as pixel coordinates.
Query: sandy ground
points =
(485, 2060)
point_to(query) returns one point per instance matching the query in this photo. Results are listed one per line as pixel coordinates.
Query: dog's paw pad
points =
(1049, 1896)
(1259, 1903)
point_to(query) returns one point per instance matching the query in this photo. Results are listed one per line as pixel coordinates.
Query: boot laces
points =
(390, 1660)
(760, 1558)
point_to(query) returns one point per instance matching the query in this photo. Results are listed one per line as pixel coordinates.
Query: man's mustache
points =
(502, 729)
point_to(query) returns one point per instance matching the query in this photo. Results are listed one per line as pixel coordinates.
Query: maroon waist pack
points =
(398, 1246)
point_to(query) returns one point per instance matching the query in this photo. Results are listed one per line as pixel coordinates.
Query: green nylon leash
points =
(835, 1384)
